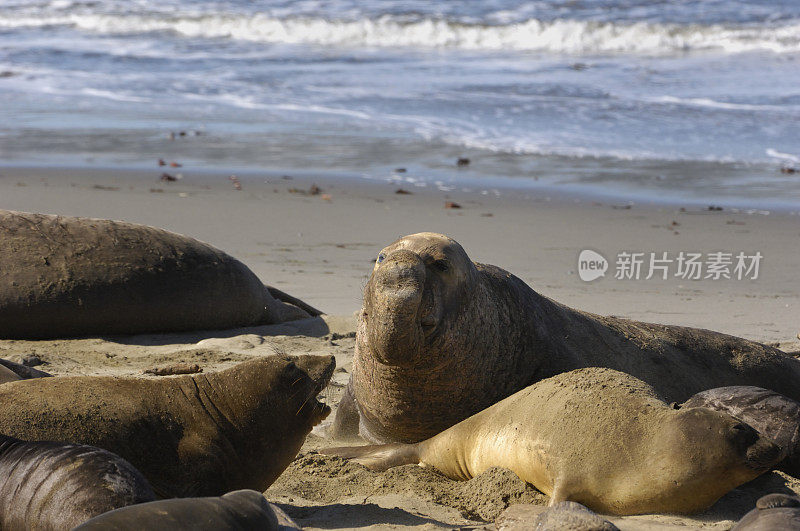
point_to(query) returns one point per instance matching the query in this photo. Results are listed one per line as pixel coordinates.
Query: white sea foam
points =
(784, 156)
(563, 36)
(713, 104)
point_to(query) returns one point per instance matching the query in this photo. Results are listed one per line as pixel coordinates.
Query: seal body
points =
(242, 510)
(69, 276)
(54, 486)
(597, 437)
(7, 375)
(440, 338)
(771, 414)
(11, 372)
(193, 435)
(772, 512)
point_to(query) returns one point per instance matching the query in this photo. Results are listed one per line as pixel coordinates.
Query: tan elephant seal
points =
(440, 338)
(53, 486)
(70, 276)
(193, 435)
(598, 437)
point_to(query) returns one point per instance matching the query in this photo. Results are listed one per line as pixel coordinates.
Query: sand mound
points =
(327, 479)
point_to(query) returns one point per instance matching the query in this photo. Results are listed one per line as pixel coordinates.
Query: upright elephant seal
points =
(54, 486)
(236, 511)
(773, 512)
(69, 276)
(193, 435)
(771, 414)
(598, 437)
(440, 338)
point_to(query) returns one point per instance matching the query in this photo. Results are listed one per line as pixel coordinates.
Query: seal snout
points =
(401, 275)
(393, 302)
(760, 452)
(320, 370)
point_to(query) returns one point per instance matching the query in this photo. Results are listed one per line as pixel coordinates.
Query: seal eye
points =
(441, 265)
(380, 258)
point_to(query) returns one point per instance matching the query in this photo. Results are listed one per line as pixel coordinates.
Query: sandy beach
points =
(319, 245)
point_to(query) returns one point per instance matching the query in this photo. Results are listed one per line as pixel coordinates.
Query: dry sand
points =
(320, 248)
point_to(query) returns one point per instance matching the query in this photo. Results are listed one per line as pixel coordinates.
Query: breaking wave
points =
(560, 36)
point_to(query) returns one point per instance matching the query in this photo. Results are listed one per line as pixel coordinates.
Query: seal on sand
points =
(771, 414)
(440, 338)
(11, 372)
(50, 486)
(235, 511)
(597, 437)
(7, 375)
(193, 435)
(69, 276)
(564, 516)
(773, 511)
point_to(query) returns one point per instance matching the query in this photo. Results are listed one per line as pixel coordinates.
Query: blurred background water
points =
(689, 100)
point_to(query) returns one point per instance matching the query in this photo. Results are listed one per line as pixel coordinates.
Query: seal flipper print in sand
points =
(69, 276)
(193, 435)
(54, 486)
(598, 437)
(440, 338)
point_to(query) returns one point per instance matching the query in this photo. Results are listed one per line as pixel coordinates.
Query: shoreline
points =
(443, 178)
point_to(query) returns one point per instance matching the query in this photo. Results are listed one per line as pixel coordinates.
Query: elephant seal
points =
(70, 276)
(236, 511)
(193, 435)
(772, 512)
(598, 437)
(440, 338)
(563, 516)
(11, 372)
(53, 486)
(771, 414)
(7, 375)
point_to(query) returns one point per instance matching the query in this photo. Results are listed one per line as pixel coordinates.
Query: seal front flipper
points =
(379, 457)
(345, 424)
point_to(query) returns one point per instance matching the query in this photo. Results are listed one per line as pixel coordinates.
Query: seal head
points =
(417, 285)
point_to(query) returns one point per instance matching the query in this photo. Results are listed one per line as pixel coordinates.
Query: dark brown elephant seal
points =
(598, 437)
(440, 338)
(54, 486)
(11, 372)
(7, 375)
(192, 435)
(771, 414)
(564, 516)
(242, 510)
(571, 516)
(69, 276)
(773, 512)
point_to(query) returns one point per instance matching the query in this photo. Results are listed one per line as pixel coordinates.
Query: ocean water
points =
(692, 100)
